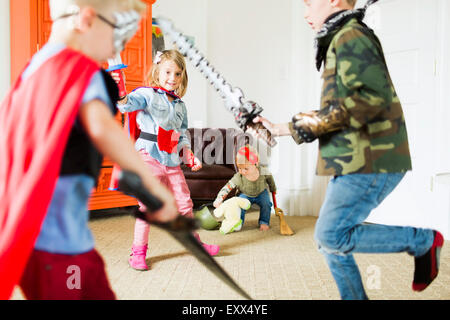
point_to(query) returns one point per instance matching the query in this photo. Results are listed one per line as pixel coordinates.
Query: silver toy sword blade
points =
(243, 111)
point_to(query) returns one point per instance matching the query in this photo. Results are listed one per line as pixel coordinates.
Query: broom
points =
(284, 227)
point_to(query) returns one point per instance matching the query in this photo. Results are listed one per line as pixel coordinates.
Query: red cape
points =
(36, 118)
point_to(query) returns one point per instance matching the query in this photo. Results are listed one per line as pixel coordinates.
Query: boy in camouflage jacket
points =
(363, 144)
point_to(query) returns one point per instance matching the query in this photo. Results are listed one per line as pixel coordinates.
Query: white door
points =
(407, 30)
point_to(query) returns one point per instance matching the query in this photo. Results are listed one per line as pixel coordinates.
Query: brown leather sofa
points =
(216, 148)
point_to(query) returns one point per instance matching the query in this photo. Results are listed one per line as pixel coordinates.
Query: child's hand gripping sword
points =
(180, 228)
(244, 111)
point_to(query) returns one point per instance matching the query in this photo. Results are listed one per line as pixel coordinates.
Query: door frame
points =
(23, 22)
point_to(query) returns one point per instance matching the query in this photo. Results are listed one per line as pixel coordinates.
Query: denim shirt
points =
(158, 111)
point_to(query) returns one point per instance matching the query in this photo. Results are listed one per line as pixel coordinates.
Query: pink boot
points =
(212, 249)
(137, 260)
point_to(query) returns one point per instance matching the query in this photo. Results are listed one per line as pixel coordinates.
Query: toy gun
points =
(117, 64)
(180, 228)
(244, 111)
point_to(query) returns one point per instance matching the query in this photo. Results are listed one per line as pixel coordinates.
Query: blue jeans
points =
(340, 230)
(264, 203)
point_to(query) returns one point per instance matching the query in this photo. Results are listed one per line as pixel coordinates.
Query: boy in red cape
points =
(55, 124)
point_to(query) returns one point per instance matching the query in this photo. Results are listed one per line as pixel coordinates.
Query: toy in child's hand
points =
(311, 125)
(231, 211)
(116, 66)
(217, 203)
(244, 111)
(191, 160)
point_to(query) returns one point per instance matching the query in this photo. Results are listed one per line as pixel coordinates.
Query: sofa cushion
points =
(209, 172)
(200, 191)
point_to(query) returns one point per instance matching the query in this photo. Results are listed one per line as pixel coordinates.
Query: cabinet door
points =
(44, 23)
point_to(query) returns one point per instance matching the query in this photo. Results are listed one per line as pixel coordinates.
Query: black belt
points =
(148, 136)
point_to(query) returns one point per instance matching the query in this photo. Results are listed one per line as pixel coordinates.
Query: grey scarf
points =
(332, 24)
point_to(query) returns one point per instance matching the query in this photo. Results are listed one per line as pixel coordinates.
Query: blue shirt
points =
(65, 228)
(158, 111)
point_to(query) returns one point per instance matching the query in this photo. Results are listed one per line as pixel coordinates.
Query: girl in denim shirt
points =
(162, 120)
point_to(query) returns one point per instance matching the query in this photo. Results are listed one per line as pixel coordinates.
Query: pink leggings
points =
(173, 178)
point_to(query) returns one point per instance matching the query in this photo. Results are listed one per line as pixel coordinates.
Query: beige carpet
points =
(267, 265)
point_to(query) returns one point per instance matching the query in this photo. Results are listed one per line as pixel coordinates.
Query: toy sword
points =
(181, 228)
(117, 64)
(244, 111)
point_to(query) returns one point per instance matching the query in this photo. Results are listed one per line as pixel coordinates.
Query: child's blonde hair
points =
(60, 8)
(247, 155)
(178, 58)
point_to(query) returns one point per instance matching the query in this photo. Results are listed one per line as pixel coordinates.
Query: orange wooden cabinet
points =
(31, 23)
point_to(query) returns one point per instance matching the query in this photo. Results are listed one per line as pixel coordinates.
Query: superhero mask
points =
(125, 26)
(127, 23)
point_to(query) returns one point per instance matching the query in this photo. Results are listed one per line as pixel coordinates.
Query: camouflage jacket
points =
(356, 76)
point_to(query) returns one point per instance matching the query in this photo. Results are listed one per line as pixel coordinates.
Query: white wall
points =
(249, 42)
(443, 73)
(5, 59)
(441, 182)
(190, 17)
